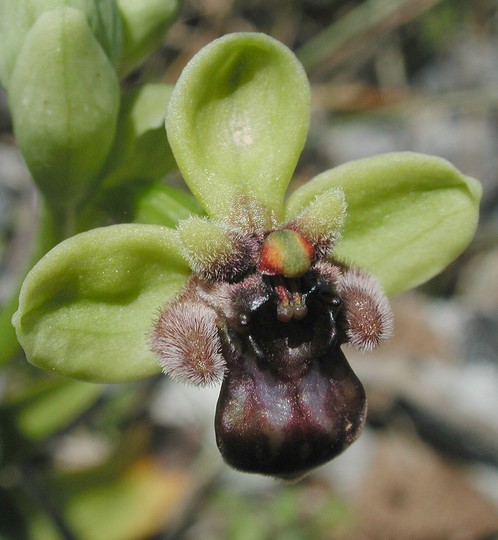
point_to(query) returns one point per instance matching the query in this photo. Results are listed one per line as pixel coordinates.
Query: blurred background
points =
(139, 461)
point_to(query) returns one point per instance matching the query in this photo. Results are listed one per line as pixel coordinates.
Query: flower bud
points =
(17, 18)
(140, 149)
(64, 99)
(144, 25)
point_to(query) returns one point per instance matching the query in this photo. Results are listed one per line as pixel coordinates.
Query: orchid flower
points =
(259, 293)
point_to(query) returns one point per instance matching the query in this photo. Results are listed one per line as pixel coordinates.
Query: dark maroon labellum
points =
(269, 322)
(289, 401)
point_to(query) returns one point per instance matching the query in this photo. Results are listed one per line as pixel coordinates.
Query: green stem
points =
(50, 231)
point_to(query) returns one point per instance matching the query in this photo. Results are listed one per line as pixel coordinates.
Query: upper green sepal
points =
(86, 308)
(237, 121)
(408, 215)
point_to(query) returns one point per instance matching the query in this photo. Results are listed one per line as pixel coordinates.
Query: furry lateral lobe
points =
(186, 344)
(367, 310)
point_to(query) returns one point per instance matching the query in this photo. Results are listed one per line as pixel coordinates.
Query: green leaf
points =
(64, 99)
(355, 34)
(51, 405)
(140, 149)
(134, 504)
(408, 215)
(144, 25)
(86, 308)
(237, 121)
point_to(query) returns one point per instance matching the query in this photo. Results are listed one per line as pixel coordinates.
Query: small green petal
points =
(237, 121)
(86, 308)
(323, 218)
(206, 244)
(408, 215)
(64, 99)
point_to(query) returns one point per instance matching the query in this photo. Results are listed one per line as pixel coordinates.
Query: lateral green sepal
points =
(86, 308)
(408, 215)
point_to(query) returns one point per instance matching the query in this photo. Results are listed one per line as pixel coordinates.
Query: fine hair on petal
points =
(186, 344)
(367, 310)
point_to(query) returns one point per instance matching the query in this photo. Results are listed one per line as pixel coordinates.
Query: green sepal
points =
(237, 122)
(408, 215)
(140, 149)
(85, 310)
(64, 98)
(144, 24)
